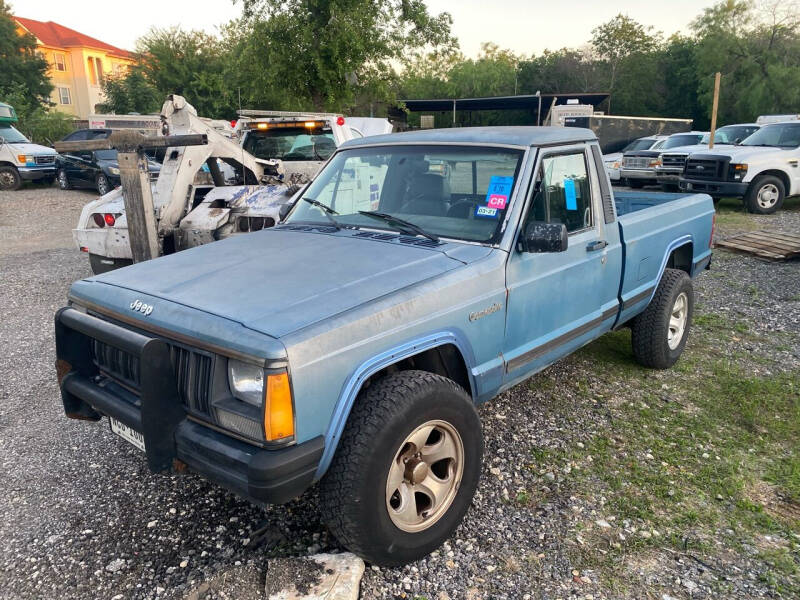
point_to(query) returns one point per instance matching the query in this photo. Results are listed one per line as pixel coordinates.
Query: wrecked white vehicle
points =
(209, 192)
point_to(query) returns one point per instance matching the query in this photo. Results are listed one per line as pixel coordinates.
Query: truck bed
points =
(651, 226)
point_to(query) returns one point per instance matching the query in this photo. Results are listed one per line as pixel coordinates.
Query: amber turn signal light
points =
(278, 410)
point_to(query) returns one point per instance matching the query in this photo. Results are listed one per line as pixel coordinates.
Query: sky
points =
(524, 26)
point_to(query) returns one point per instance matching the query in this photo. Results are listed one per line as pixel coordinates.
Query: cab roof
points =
(521, 137)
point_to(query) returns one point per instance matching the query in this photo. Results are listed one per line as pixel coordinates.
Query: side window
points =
(563, 192)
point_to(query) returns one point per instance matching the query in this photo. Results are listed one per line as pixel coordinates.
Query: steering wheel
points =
(453, 211)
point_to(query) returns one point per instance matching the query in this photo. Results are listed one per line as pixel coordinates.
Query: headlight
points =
(655, 163)
(247, 382)
(113, 170)
(615, 165)
(738, 171)
(262, 407)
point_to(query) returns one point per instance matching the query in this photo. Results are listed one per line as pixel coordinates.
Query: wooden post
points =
(138, 197)
(714, 107)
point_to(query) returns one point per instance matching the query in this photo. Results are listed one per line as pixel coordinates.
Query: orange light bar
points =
(262, 125)
(278, 410)
(311, 124)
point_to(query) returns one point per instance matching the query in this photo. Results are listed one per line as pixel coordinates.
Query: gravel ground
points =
(81, 517)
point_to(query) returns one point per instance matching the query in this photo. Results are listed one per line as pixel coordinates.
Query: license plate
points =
(127, 434)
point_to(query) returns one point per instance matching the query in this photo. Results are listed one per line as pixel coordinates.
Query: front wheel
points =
(659, 334)
(765, 195)
(405, 470)
(9, 178)
(103, 184)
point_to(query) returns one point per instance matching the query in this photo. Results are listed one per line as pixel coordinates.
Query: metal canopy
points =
(521, 102)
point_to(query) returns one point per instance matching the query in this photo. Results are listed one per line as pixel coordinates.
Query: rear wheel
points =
(63, 180)
(659, 334)
(405, 470)
(9, 178)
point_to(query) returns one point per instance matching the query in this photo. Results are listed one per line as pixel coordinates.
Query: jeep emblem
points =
(141, 307)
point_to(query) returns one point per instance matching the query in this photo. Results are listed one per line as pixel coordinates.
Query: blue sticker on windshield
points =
(569, 193)
(484, 212)
(499, 190)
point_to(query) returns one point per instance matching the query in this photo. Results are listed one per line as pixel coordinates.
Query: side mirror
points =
(543, 237)
(2, 140)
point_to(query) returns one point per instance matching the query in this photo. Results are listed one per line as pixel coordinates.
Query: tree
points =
(190, 63)
(324, 54)
(757, 50)
(21, 68)
(619, 40)
(130, 93)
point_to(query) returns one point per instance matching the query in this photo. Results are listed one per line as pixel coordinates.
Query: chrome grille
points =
(193, 372)
(673, 161)
(636, 162)
(48, 159)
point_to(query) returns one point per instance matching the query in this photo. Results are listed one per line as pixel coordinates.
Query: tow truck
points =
(210, 192)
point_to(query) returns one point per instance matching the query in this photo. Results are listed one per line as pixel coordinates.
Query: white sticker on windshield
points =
(484, 212)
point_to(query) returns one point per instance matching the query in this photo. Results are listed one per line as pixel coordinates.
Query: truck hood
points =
(277, 281)
(27, 148)
(746, 154)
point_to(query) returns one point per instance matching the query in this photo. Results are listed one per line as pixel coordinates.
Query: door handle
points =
(596, 245)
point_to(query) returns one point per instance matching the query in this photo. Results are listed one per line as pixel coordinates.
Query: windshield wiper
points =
(326, 210)
(398, 221)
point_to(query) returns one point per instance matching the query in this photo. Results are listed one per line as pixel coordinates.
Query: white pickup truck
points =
(762, 170)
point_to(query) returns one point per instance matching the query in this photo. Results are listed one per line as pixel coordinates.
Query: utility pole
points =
(135, 177)
(714, 107)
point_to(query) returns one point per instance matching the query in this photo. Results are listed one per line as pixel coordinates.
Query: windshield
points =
(290, 144)
(448, 191)
(640, 144)
(105, 154)
(784, 135)
(682, 140)
(12, 136)
(730, 134)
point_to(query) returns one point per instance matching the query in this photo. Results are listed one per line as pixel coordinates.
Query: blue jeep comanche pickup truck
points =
(417, 275)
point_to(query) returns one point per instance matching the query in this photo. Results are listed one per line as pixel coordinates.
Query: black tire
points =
(102, 184)
(354, 490)
(670, 188)
(9, 178)
(636, 183)
(650, 331)
(765, 195)
(63, 180)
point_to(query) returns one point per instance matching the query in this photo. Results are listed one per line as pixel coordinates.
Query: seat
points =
(428, 194)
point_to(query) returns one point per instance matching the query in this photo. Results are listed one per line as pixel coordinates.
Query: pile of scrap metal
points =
(209, 192)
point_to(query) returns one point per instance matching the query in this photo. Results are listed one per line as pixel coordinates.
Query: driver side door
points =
(558, 301)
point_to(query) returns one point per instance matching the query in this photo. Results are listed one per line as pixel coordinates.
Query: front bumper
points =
(35, 173)
(668, 175)
(716, 189)
(263, 475)
(642, 174)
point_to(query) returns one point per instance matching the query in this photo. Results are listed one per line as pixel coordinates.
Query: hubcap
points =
(424, 476)
(677, 320)
(6, 179)
(768, 196)
(62, 178)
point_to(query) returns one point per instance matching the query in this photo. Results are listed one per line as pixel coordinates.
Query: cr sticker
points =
(484, 212)
(499, 186)
(498, 201)
(569, 193)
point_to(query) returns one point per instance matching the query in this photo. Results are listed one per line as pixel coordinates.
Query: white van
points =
(20, 160)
